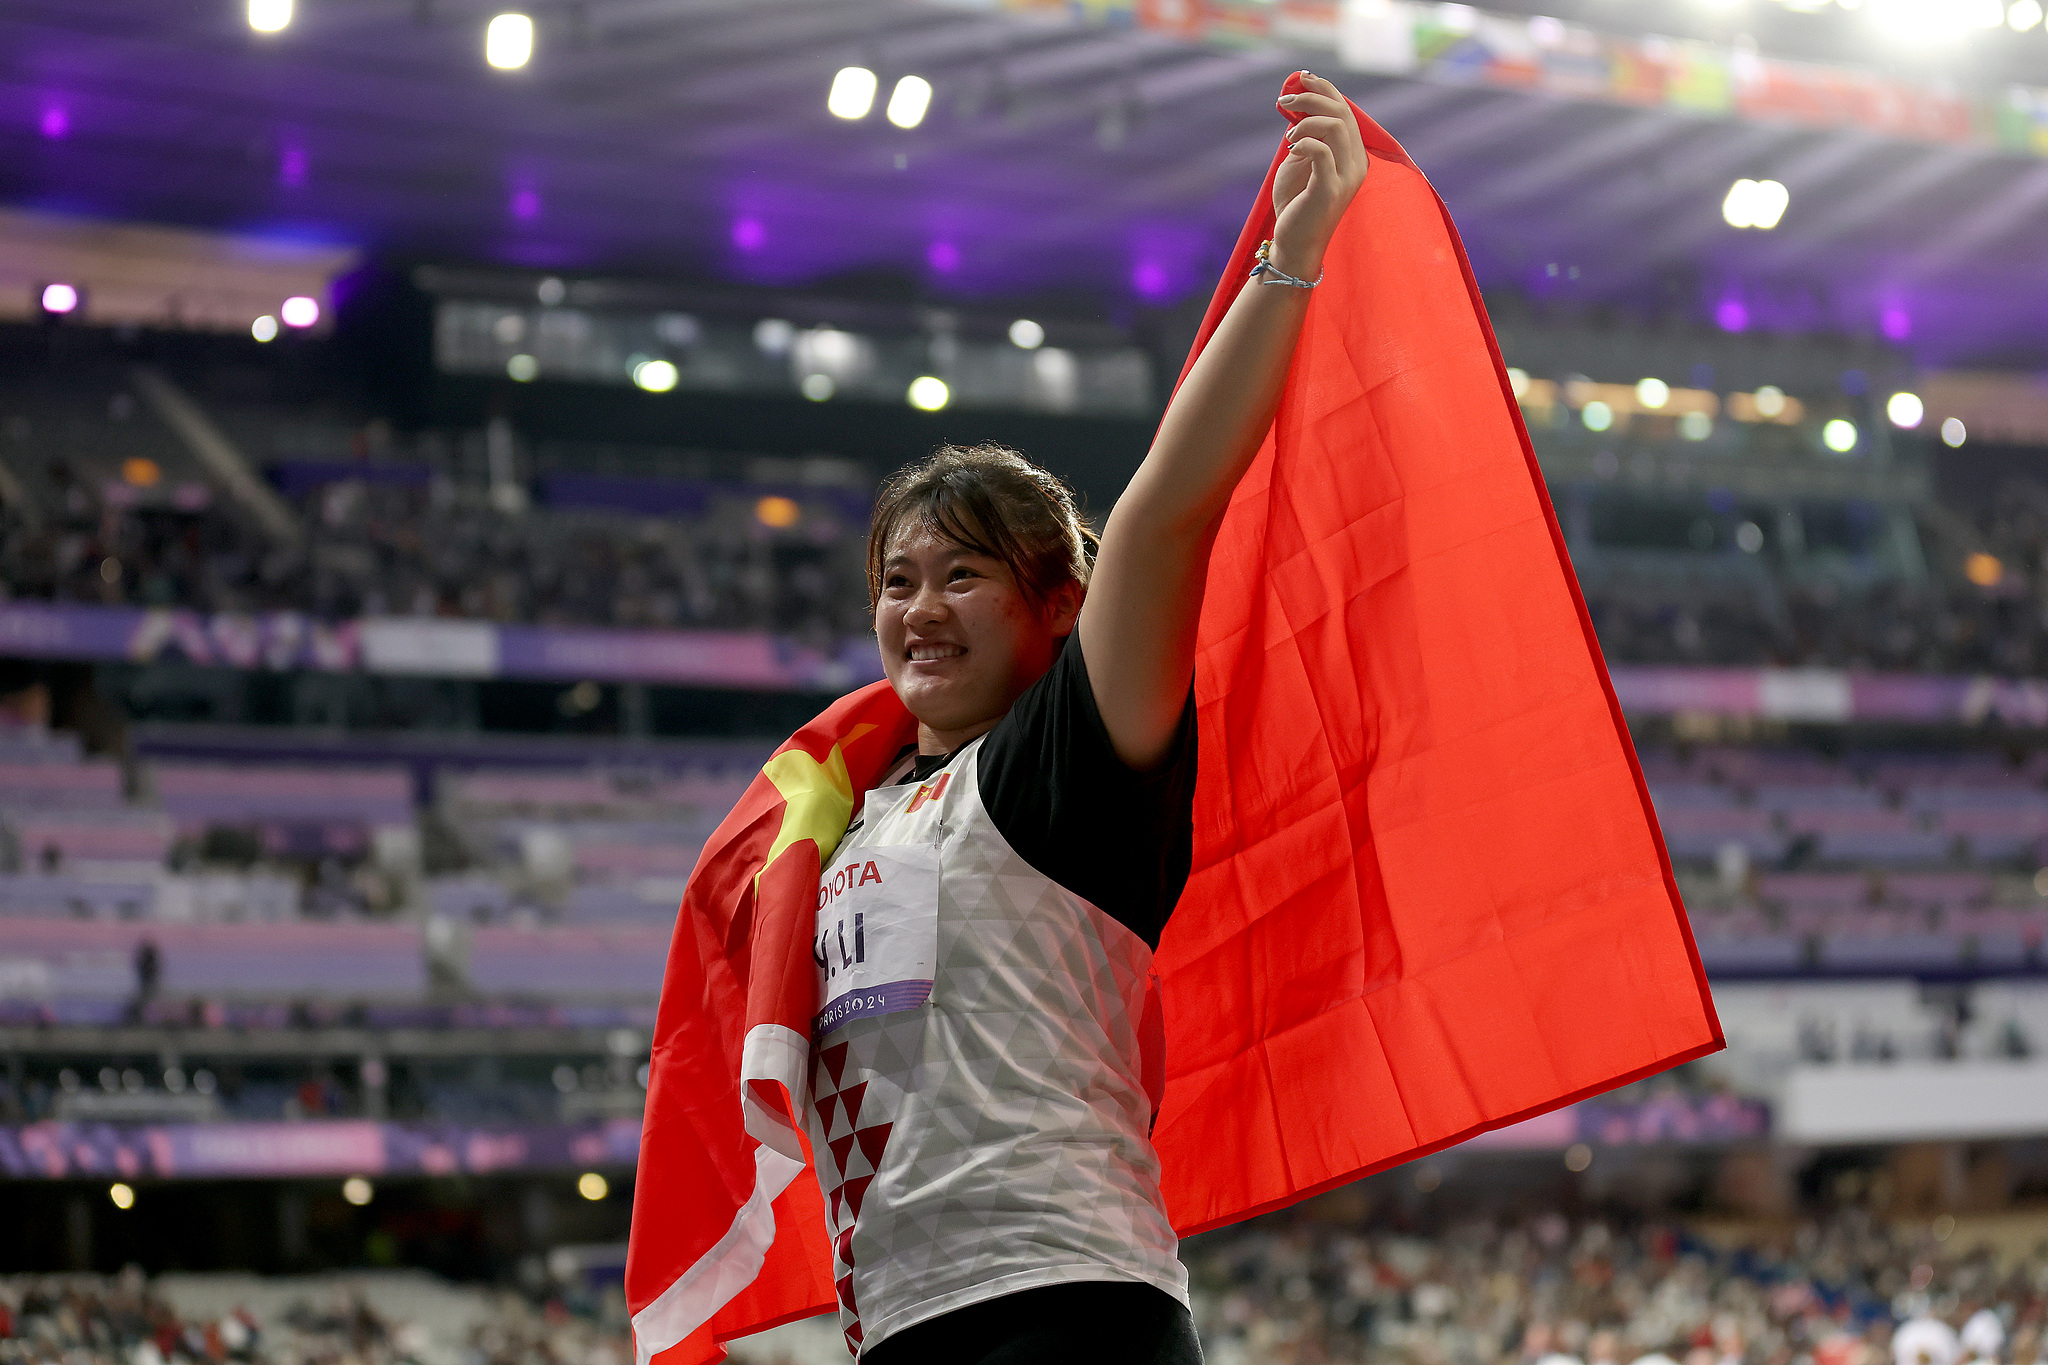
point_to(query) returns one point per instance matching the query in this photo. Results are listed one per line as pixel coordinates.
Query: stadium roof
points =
(691, 137)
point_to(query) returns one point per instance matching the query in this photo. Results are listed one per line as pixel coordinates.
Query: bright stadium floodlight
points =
(1905, 410)
(1755, 204)
(59, 299)
(270, 16)
(299, 311)
(907, 103)
(655, 376)
(1954, 433)
(264, 328)
(853, 93)
(1653, 393)
(1597, 416)
(508, 41)
(2024, 15)
(929, 393)
(1026, 335)
(1839, 435)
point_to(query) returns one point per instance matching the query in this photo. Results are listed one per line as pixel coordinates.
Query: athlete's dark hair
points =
(991, 500)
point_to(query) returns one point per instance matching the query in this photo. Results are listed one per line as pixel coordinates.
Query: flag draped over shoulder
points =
(1429, 895)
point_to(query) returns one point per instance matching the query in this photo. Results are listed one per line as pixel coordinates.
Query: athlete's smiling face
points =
(960, 639)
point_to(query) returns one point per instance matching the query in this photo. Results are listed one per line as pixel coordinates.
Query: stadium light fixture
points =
(523, 369)
(1749, 538)
(59, 299)
(593, 1186)
(299, 311)
(908, 101)
(852, 93)
(929, 393)
(1757, 204)
(1597, 416)
(357, 1191)
(817, 387)
(1905, 410)
(2024, 15)
(264, 328)
(655, 376)
(122, 1194)
(1695, 426)
(1954, 433)
(1770, 400)
(1839, 435)
(270, 16)
(1026, 335)
(1653, 393)
(508, 41)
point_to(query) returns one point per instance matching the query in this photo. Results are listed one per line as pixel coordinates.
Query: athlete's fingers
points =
(1308, 102)
(1316, 85)
(1340, 137)
(1319, 156)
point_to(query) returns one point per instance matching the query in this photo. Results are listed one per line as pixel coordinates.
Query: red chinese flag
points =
(1429, 896)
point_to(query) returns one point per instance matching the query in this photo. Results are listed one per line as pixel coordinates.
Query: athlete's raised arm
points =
(1137, 626)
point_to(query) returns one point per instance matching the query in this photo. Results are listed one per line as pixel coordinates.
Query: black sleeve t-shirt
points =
(1120, 839)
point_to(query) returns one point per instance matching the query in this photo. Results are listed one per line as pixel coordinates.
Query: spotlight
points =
(907, 103)
(264, 328)
(1954, 433)
(818, 387)
(1770, 400)
(270, 16)
(928, 393)
(357, 1190)
(1839, 436)
(853, 93)
(1905, 410)
(1026, 335)
(508, 42)
(59, 299)
(592, 1186)
(1653, 393)
(1755, 204)
(1597, 416)
(1695, 426)
(655, 376)
(299, 311)
(122, 1195)
(2024, 14)
(523, 368)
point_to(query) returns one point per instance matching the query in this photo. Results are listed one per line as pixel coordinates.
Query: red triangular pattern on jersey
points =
(843, 1246)
(825, 1111)
(834, 1059)
(838, 1194)
(853, 1191)
(845, 1287)
(851, 1098)
(872, 1141)
(841, 1147)
(853, 1338)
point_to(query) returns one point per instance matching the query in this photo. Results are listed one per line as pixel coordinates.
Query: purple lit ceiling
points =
(690, 137)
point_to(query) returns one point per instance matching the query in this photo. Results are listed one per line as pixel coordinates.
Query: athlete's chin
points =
(944, 704)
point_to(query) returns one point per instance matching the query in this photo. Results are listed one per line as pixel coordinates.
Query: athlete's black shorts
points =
(1097, 1322)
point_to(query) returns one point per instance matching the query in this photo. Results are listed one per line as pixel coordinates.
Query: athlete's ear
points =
(1063, 608)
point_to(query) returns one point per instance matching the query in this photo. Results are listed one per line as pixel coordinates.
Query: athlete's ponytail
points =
(991, 500)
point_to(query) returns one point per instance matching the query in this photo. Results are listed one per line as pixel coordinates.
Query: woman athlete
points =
(991, 1187)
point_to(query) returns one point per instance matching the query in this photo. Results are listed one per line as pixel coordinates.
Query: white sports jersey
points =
(979, 1106)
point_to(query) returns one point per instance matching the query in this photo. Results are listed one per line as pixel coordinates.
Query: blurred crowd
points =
(1287, 1290)
(124, 1320)
(376, 549)
(1284, 1290)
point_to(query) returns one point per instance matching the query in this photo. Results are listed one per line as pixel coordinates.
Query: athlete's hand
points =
(1325, 165)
